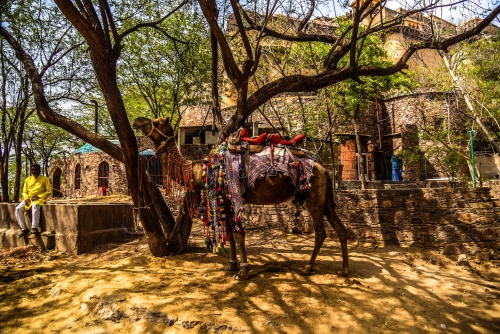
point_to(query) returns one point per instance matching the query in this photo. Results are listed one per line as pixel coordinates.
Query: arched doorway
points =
(78, 176)
(56, 182)
(349, 160)
(103, 176)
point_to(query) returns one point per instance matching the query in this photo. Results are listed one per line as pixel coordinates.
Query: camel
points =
(267, 191)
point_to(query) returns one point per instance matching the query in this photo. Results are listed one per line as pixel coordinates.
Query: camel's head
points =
(158, 129)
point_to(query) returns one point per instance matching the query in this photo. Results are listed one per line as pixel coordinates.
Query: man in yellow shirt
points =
(36, 189)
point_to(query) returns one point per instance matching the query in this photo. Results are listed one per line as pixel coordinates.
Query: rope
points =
(139, 181)
(204, 120)
(153, 128)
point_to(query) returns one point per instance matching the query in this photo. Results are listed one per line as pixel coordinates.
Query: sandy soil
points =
(123, 289)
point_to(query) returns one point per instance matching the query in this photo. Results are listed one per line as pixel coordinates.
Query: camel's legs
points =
(319, 233)
(239, 237)
(336, 223)
(315, 201)
(233, 262)
(236, 235)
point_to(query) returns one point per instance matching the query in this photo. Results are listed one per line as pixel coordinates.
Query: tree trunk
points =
(177, 241)
(4, 153)
(480, 124)
(458, 82)
(4, 176)
(361, 159)
(19, 163)
(216, 113)
(147, 210)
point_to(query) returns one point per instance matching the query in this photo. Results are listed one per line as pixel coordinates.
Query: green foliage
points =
(345, 98)
(64, 65)
(479, 69)
(163, 70)
(446, 160)
(350, 97)
(44, 142)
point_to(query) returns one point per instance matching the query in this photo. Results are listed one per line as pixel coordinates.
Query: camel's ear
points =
(157, 121)
(167, 120)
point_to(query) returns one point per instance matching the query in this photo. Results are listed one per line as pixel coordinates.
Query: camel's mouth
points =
(137, 127)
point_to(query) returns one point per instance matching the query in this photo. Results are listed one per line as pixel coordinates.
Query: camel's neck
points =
(174, 154)
(180, 169)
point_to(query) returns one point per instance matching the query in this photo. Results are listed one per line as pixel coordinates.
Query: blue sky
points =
(455, 14)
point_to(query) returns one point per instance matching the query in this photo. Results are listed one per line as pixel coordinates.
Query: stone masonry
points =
(455, 220)
(89, 163)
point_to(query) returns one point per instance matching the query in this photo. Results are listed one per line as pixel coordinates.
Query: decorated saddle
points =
(241, 138)
(237, 164)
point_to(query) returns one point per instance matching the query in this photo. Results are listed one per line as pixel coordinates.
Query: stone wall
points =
(452, 219)
(431, 111)
(76, 228)
(494, 185)
(89, 163)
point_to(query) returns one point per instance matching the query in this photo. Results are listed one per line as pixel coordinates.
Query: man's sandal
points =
(23, 233)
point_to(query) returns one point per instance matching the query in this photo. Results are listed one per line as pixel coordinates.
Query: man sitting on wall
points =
(36, 189)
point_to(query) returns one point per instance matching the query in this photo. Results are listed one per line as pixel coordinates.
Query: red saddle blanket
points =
(273, 138)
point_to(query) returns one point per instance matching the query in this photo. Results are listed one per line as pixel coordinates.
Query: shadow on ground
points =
(121, 288)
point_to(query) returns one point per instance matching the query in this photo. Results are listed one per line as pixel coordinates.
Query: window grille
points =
(153, 165)
(103, 176)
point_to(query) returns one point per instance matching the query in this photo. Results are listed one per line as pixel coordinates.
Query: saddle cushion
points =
(295, 140)
(275, 138)
(255, 141)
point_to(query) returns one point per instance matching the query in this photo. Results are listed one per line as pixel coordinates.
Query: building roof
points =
(87, 148)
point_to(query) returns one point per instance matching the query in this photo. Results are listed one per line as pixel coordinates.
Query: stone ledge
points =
(78, 227)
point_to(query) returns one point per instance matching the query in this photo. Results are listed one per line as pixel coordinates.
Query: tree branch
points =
(307, 17)
(45, 112)
(121, 36)
(232, 69)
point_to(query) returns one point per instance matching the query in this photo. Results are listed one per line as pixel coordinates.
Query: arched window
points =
(78, 176)
(56, 182)
(103, 176)
(152, 164)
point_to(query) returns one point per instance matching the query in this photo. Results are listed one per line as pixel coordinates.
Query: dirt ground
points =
(121, 288)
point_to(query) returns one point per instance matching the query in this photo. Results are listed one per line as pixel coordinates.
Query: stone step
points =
(9, 239)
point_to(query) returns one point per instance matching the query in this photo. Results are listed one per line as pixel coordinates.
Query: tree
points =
(475, 71)
(100, 30)
(105, 34)
(167, 67)
(255, 29)
(477, 83)
(56, 51)
(44, 142)
(351, 98)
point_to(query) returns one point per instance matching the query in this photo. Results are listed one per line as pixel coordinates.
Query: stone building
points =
(88, 171)
(393, 131)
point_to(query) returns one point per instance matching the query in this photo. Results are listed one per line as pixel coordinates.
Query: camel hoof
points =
(243, 274)
(231, 266)
(306, 270)
(343, 273)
